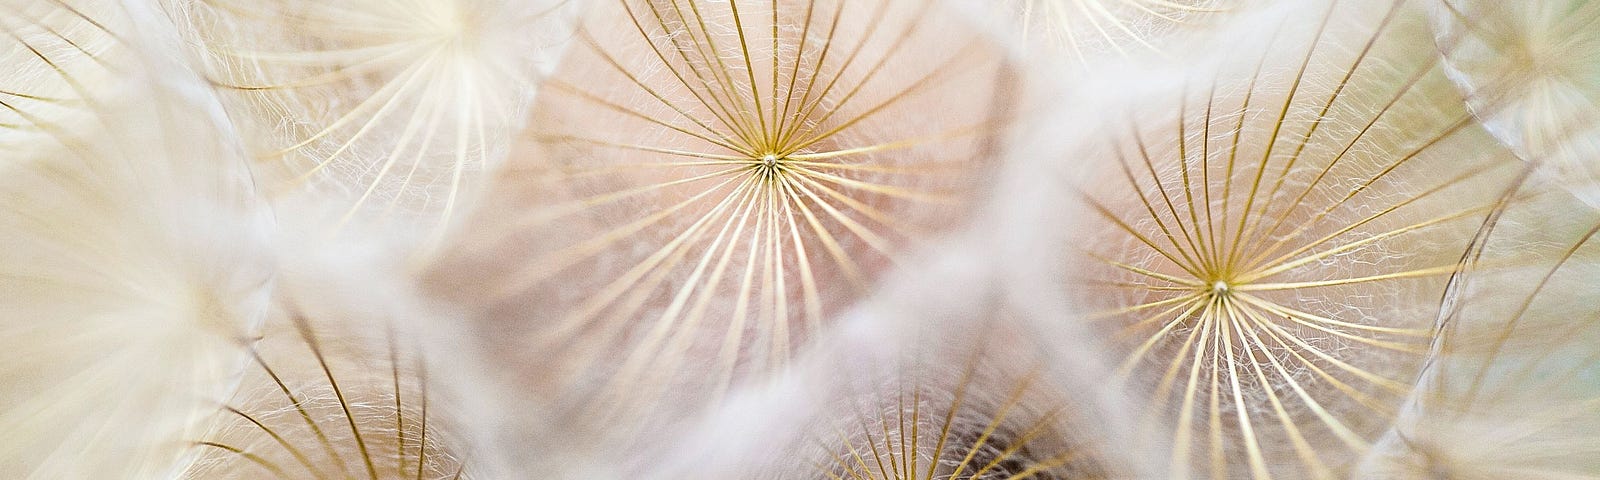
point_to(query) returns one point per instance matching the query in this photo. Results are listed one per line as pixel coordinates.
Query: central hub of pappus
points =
(768, 165)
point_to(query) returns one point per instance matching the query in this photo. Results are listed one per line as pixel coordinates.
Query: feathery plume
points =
(1530, 68)
(1262, 244)
(386, 109)
(703, 184)
(1509, 390)
(133, 250)
(344, 398)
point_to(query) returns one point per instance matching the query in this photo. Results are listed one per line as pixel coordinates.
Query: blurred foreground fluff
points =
(830, 239)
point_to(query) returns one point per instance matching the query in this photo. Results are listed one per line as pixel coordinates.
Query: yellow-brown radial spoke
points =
(1349, 73)
(276, 470)
(1139, 352)
(794, 122)
(1170, 376)
(1258, 466)
(729, 352)
(316, 350)
(941, 169)
(278, 438)
(299, 407)
(711, 158)
(1192, 284)
(34, 122)
(668, 321)
(950, 415)
(722, 72)
(399, 412)
(1106, 213)
(866, 432)
(1183, 437)
(932, 78)
(1183, 434)
(1139, 286)
(1282, 263)
(1363, 398)
(776, 66)
(1057, 461)
(559, 260)
(1339, 428)
(1423, 272)
(1201, 250)
(780, 119)
(873, 240)
(88, 19)
(1302, 449)
(567, 175)
(750, 71)
(1199, 260)
(1218, 456)
(806, 111)
(726, 103)
(608, 294)
(852, 271)
(38, 98)
(898, 439)
(1000, 415)
(77, 87)
(808, 282)
(1233, 150)
(780, 320)
(854, 454)
(1392, 386)
(803, 158)
(1297, 314)
(883, 218)
(1189, 263)
(1405, 88)
(552, 212)
(1277, 127)
(720, 140)
(716, 106)
(1049, 463)
(1142, 306)
(422, 429)
(1464, 121)
(878, 188)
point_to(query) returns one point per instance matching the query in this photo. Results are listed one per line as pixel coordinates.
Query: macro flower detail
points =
(1530, 71)
(313, 408)
(739, 172)
(799, 239)
(1267, 260)
(386, 111)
